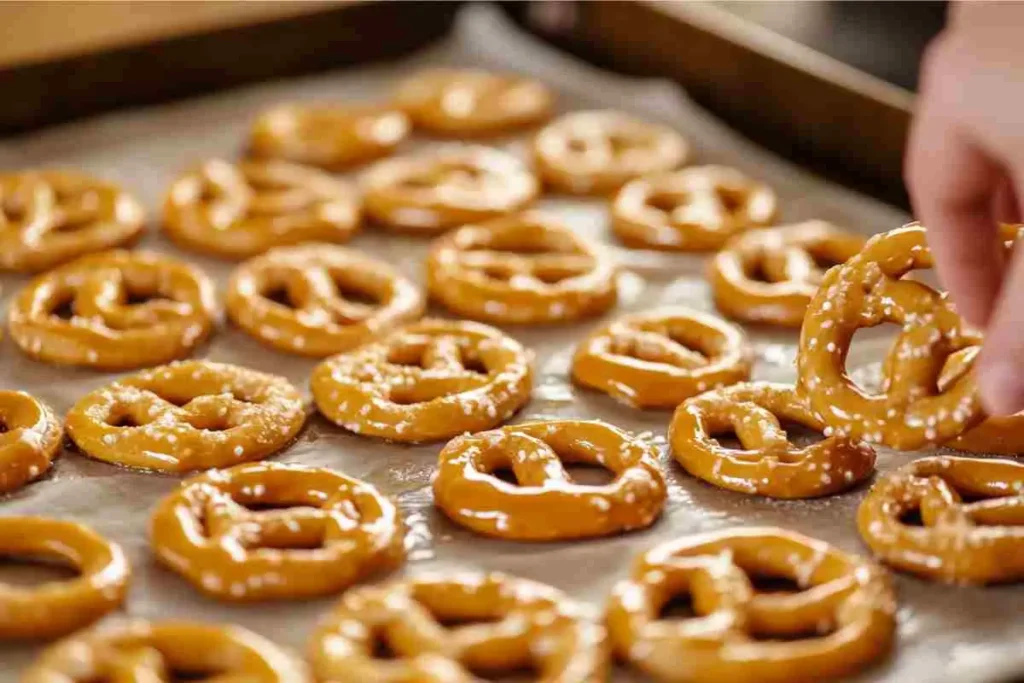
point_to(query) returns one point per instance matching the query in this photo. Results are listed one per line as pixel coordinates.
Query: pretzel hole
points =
(769, 583)
(732, 199)
(27, 571)
(505, 474)
(123, 419)
(589, 474)
(667, 202)
(73, 222)
(911, 517)
(279, 295)
(678, 607)
(64, 306)
(138, 297)
(866, 346)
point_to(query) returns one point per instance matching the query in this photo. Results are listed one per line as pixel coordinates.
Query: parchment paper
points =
(945, 633)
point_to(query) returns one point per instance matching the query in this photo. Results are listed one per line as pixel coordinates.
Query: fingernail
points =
(1002, 393)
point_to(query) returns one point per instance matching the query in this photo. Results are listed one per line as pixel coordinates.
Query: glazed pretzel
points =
(842, 619)
(660, 358)
(30, 438)
(451, 186)
(958, 541)
(161, 652)
(427, 381)
(594, 152)
(187, 416)
(337, 531)
(767, 464)
(522, 268)
(54, 609)
(49, 217)
(114, 310)
(318, 318)
(235, 211)
(545, 504)
(505, 624)
(472, 101)
(329, 135)
(694, 209)
(791, 260)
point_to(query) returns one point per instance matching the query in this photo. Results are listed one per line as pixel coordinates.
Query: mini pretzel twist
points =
(523, 268)
(771, 275)
(30, 439)
(841, 619)
(507, 624)
(235, 211)
(54, 609)
(324, 287)
(337, 531)
(768, 464)
(660, 358)
(187, 416)
(427, 381)
(595, 152)
(694, 209)
(49, 217)
(469, 102)
(115, 310)
(162, 652)
(981, 541)
(544, 503)
(452, 186)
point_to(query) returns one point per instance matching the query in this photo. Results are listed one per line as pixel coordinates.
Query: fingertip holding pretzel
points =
(427, 381)
(840, 621)
(187, 416)
(115, 310)
(238, 210)
(545, 504)
(31, 436)
(54, 609)
(523, 268)
(322, 532)
(660, 358)
(767, 463)
(769, 276)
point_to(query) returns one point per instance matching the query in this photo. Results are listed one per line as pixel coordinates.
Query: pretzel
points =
(469, 102)
(165, 651)
(54, 609)
(329, 135)
(334, 299)
(337, 531)
(596, 152)
(502, 624)
(660, 358)
(115, 310)
(235, 211)
(769, 276)
(694, 209)
(49, 217)
(522, 268)
(30, 438)
(841, 619)
(427, 381)
(431, 193)
(981, 541)
(544, 503)
(187, 416)
(767, 464)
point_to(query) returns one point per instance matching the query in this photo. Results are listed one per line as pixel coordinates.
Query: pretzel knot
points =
(30, 438)
(544, 503)
(187, 416)
(49, 217)
(115, 310)
(599, 151)
(336, 531)
(472, 101)
(452, 186)
(427, 381)
(840, 619)
(771, 275)
(55, 609)
(505, 624)
(235, 211)
(319, 299)
(980, 541)
(660, 358)
(161, 652)
(523, 268)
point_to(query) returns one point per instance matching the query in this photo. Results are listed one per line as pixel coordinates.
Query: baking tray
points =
(945, 633)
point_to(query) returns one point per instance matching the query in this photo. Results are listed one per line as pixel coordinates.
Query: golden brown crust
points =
(31, 438)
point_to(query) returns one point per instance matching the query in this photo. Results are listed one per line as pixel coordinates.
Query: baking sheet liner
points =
(945, 633)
